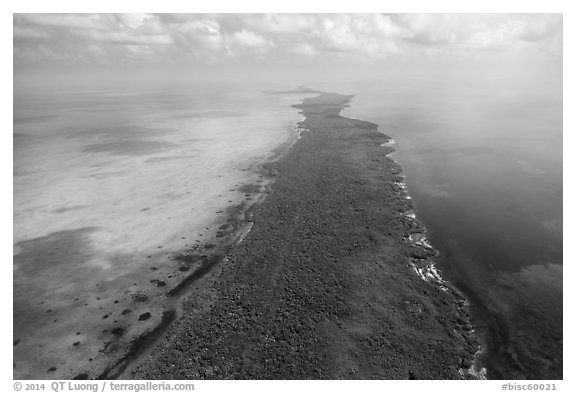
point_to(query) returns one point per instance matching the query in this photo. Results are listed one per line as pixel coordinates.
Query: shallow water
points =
(108, 184)
(483, 162)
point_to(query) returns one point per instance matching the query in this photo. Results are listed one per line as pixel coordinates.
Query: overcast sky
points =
(69, 39)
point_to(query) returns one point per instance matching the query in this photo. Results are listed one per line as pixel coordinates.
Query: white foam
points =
(389, 142)
(428, 272)
(425, 268)
(475, 370)
(420, 240)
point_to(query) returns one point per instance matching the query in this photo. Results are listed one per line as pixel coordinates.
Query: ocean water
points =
(110, 182)
(482, 156)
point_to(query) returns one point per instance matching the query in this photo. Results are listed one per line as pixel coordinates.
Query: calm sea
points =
(482, 158)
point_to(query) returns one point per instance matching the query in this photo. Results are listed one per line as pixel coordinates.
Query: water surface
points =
(111, 182)
(483, 161)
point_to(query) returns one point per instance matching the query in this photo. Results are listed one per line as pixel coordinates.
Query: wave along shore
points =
(334, 279)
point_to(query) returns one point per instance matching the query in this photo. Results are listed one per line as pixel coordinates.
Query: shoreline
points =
(324, 285)
(103, 346)
(203, 259)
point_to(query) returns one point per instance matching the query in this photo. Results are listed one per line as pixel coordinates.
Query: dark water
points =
(483, 161)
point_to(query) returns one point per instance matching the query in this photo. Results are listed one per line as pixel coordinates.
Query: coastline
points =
(117, 315)
(334, 279)
(92, 274)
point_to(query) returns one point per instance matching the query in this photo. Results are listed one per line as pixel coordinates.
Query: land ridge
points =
(330, 282)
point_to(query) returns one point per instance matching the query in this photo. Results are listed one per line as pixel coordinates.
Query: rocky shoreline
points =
(335, 279)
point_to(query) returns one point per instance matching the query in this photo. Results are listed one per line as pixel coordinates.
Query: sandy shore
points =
(333, 280)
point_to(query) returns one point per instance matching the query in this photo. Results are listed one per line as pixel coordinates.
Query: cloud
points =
(537, 28)
(76, 21)
(282, 23)
(335, 33)
(376, 25)
(202, 34)
(134, 21)
(368, 34)
(142, 23)
(247, 41)
(304, 49)
(173, 37)
(517, 33)
(469, 32)
(130, 39)
(29, 33)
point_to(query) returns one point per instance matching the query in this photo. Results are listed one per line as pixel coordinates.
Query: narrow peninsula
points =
(334, 280)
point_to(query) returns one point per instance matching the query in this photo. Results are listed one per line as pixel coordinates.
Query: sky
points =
(155, 39)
